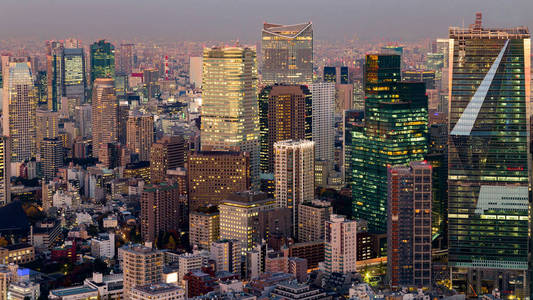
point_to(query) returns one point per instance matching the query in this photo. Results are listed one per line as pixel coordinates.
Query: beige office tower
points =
(287, 52)
(46, 125)
(294, 175)
(240, 217)
(5, 170)
(19, 107)
(203, 228)
(140, 134)
(230, 112)
(195, 71)
(104, 118)
(141, 265)
(124, 59)
(166, 154)
(341, 245)
(312, 217)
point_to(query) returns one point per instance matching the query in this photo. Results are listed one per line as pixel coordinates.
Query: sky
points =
(204, 20)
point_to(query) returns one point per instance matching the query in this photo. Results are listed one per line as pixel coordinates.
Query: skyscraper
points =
(124, 59)
(294, 175)
(159, 210)
(341, 245)
(46, 125)
(19, 108)
(104, 118)
(323, 120)
(140, 134)
(394, 133)
(409, 225)
(52, 155)
(284, 114)
(230, 113)
(489, 159)
(54, 59)
(287, 52)
(102, 60)
(73, 73)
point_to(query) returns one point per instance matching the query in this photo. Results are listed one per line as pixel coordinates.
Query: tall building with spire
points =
(19, 108)
(230, 112)
(287, 52)
(489, 159)
(104, 118)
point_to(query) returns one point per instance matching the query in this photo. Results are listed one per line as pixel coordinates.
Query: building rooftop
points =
(157, 288)
(72, 291)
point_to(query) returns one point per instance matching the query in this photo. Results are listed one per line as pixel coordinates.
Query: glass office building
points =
(489, 158)
(102, 60)
(394, 133)
(287, 52)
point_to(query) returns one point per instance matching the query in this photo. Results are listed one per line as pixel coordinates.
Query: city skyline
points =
(238, 20)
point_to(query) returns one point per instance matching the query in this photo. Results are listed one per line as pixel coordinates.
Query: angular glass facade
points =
(287, 52)
(394, 133)
(489, 159)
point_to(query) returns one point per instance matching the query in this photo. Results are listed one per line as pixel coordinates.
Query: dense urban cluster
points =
(294, 169)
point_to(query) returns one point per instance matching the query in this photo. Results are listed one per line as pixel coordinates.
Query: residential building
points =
(312, 216)
(140, 134)
(341, 245)
(158, 291)
(104, 118)
(141, 266)
(323, 120)
(227, 255)
(159, 209)
(409, 232)
(204, 226)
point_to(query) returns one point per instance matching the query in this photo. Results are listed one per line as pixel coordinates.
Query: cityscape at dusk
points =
(278, 150)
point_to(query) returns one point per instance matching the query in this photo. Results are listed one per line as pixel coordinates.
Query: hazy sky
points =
(242, 19)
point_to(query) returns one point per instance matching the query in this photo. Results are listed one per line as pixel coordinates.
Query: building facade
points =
(287, 52)
(324, 120)
(140, 134)
(160, 209)
(294, 175)
(340, 245)
(488, 157)
(104, 118)
(409, 226)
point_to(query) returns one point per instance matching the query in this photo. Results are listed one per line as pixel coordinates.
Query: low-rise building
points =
(110, 287)
(103, 246)
(74, 293)
(157, 291)
(23, 290)
(17, 254)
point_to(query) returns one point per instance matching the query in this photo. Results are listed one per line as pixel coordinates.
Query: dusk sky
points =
(242, 19)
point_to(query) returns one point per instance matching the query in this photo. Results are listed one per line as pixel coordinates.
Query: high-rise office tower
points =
(54, 60)
(352, 123)
(339, 75)
(214, 175)
(141, 265)
(159, 210)
(104, 118)
(240, 217)
(123, 115)
(323, 120)
(294, 175)
(285, 113)
(340, 245)
(150, 77)
(409, 225)
(488, 157)
(140, 134)
(394, 133)
(83, 119)
(227, 255)
(287, 52)
(124, 59)
(230, 113)
(74, 81)
(19, 108)
(311, 218)
(102, 60)
(166, 154)
(5, 170)
(195, 71)
(52, 155)
(204, 227)
(46, 125)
